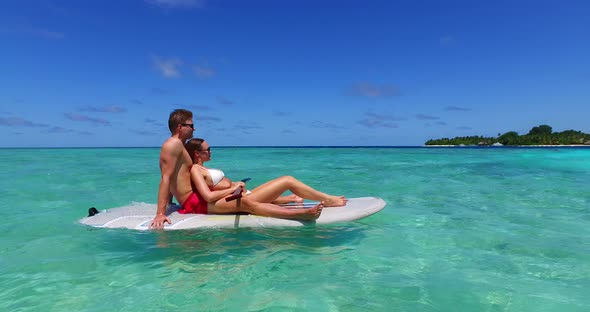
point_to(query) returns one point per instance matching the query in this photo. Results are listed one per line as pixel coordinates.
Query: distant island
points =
(540, 135)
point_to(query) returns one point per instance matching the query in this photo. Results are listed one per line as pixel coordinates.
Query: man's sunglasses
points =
(192, 126)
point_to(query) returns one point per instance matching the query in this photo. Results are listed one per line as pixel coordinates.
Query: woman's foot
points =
(335, 201)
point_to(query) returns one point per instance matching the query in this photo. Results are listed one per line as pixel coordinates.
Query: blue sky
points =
(108, 73)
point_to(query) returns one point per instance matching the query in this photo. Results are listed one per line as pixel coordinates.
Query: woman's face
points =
(205, 151)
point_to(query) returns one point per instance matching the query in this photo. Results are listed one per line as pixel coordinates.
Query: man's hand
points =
(158, 222)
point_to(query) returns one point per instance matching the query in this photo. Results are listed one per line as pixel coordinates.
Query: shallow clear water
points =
(489, 229)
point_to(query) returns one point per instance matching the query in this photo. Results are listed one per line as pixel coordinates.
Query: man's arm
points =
(164, 196)
(168, 161)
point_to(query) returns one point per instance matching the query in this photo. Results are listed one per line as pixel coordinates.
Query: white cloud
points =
(168, 67)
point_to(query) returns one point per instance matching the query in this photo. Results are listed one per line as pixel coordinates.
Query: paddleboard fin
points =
(92, 211)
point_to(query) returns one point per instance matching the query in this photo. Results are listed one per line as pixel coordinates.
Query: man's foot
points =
(288, 199)
(292, 199)
(335, 201)
(311, 213)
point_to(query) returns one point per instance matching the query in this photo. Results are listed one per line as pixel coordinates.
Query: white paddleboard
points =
(138, 216)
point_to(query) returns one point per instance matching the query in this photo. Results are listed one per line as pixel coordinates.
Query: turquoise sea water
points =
(488, 229)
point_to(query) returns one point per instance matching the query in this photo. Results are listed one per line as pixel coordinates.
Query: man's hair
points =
(177, 117)
(193, 145)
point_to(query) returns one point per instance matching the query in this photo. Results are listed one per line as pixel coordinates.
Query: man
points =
(175, 165)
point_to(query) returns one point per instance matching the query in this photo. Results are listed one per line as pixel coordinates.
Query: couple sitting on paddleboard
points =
(202, 190)
(211, 187)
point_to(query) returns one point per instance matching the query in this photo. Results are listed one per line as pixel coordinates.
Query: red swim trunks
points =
(194, 204)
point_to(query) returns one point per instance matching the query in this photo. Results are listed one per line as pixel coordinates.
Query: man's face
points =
(186, 129)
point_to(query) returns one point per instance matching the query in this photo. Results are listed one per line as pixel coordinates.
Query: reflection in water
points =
(207, 246)
(244, 242)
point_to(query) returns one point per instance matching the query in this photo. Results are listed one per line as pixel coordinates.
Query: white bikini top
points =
(216, 175)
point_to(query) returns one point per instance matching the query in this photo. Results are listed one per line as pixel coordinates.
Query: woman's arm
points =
(203, 189)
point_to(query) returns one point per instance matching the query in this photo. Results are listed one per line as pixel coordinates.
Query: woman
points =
(212, 186)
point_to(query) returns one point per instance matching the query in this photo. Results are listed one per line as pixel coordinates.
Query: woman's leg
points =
(247, 204)
(271, 190)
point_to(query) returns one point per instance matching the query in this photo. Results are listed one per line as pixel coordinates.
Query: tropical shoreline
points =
(541, 135)
(503, 146)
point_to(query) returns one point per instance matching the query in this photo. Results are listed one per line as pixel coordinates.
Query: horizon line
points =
(312, 146)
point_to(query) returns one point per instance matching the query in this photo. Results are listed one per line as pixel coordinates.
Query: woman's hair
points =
(193, 145)
(177, 117)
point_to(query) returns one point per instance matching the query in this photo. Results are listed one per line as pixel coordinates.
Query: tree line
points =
(539, 135)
